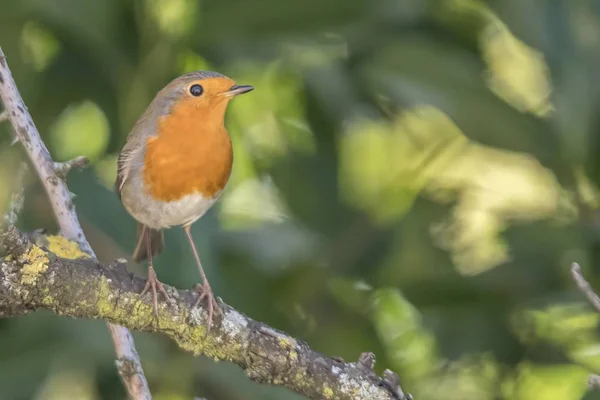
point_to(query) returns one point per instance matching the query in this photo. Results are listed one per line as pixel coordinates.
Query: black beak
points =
(238, 89)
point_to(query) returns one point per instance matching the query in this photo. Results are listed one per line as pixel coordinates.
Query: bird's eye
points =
(196, 90)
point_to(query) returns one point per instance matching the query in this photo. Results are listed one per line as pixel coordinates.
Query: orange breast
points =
(191, 154)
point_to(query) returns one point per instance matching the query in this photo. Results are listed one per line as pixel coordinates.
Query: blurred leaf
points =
(572, 328)
(38, 45)
(548, 382)
(517, 73)
(494, 187)
(411, 349)
(384, 167)
(66, 382)
(81, 130)
(251, 203)
(174, 17)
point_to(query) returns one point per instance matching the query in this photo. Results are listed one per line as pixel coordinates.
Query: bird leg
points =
(204, 290)
(153, 283)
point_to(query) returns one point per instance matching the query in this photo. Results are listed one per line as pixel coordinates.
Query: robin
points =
(175, 164)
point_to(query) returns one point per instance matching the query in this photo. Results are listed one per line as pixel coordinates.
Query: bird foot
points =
(154, 285)
(205, 292)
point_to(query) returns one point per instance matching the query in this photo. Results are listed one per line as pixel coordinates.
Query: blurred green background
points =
(412, 178)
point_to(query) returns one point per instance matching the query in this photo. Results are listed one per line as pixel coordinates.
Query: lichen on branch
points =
(51, 272)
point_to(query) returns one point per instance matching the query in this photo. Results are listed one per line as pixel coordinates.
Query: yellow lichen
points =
(106, 308)
(327, 392)
(189, 337)
(286, 343)
(35, 262)
(65, 248)
(48, 300)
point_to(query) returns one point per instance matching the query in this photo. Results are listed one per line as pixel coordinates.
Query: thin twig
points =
(594, 382)
(585, 287)
(594, 300)
(62, 169)
(60, 198)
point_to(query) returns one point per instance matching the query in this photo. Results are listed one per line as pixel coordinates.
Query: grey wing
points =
(122, 170)
(131, 157)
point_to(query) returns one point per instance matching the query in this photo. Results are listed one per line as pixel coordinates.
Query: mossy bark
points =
(52, 273)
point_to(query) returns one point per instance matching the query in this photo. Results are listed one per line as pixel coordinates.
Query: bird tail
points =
(141, 248)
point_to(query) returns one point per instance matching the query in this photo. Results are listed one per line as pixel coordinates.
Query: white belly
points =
(161, 215)
(186, 210)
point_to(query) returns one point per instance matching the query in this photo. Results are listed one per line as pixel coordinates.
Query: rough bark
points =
(52, 273)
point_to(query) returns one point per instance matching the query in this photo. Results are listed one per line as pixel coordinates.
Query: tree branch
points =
(62, 169)
(51, 175)
(52, 273)
(594, 382)
(594, 300)
(585, 287)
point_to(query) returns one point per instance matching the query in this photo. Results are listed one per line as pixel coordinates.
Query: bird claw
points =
(152, 284)
(205, 292)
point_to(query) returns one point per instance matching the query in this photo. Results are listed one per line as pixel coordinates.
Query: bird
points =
(174, 165)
